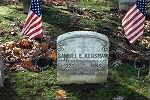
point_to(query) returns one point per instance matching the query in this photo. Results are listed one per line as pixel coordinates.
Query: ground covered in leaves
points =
(99, 17)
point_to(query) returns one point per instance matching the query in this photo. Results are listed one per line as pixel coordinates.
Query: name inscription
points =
(82, 64)
(99, 55)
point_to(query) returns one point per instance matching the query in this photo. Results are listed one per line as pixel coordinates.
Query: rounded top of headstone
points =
(81, 34)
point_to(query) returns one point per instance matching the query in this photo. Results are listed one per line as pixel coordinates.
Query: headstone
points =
(1, 70)
(82, 57)
(26, 6)
(126, 4)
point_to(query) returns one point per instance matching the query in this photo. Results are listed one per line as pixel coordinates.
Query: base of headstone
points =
(76, 79)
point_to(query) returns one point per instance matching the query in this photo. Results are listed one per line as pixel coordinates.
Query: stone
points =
(118, 98)
(1, 70)
(26, 6)
(125, 4)
(82, 57)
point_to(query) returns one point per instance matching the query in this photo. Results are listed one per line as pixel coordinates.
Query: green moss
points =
(101, 6)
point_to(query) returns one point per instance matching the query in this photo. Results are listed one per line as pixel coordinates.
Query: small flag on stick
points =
(133, 22)
(33, 26)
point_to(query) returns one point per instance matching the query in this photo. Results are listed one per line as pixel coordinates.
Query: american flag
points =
(33, 26)
(133, 22)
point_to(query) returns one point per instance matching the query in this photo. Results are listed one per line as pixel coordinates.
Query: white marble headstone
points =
(126, 4)
(82, 57)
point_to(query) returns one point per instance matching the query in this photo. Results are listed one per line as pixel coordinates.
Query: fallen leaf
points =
(10, 59)
(53, 55)
(60, 94)
(16, 51)
(145, 42)
(10, 44)
(27, 64)
(24, 43)
(44, 46)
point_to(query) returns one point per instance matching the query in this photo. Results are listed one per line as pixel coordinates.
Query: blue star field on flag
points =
(141, 4)
(36, 7)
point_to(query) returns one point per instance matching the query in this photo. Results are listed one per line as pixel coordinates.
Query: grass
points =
(55, 19)
(97, 6)
(8, 16)
(122, 81)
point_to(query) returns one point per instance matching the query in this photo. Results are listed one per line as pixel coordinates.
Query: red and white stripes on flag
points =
(133, 22)
(33, 26)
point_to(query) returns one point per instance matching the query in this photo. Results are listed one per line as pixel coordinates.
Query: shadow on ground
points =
(7, 91)
(105, 91)
(61, 18)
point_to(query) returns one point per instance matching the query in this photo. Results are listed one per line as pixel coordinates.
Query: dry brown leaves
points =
(55, 2)
(53, 55)
(19, 54)
(61, 95)
(145, 42)
(44, 46)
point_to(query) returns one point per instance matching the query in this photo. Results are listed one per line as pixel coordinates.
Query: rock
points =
(118, 98)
